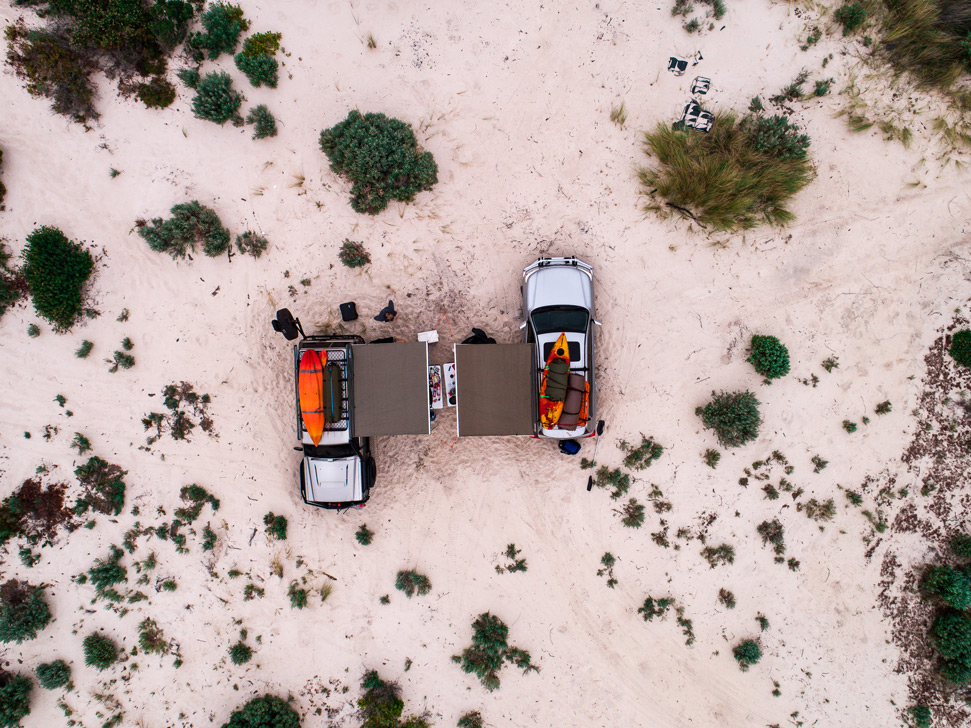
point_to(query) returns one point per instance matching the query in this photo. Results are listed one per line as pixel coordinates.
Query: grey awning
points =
(390, 389)
(494, 387)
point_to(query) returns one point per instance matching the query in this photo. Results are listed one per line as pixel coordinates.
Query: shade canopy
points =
(390, 389)
(495, 389)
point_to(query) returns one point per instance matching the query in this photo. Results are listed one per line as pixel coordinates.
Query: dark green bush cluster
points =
(100, 651)
(106, 573)
(734, 416)
(490, 650)
(381, 705)
(156, 94)
(851, 16)
(364, 535)
(410, 582)
(183, 403)
(23, 611)
(643, 455)
(257, 61)
(616, 479)
(191, 224)
(353, 255)
(747, 653)
(223, 24)
(769, 357)
(298, 595)
(381, 157)
(737, 176)
(104, 487)
(216, 100)
(150, 637)
(471, 720)
(56, 270)
(960, 349)
(276, 526)
(240, 653)
(951, 630)
(931, 39)
(195, 497)
(14, 698)
(53, 675)
(515, 563)
(264, 123)
(190, 77)
(266, 711)
(950, 585)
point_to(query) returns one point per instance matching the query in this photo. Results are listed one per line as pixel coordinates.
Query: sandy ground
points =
(513, 100)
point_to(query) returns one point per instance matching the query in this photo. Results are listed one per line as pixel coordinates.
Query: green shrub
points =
(251, 243)
(632, 514)
(261, 69)
(727, 598)
(103, 485)
(734, 416)
(724, 554)
(240, 653)
(276, 526)
(223, 24)
(53, 68)
(640, 457)
(264, 121)
(53, 675)
(84, 349)
(410, 582)
(23, 611)
(56, 269)
(961, 545)
(216, 100)
(883, 408)
(266, 711)
(654, 608)
(151, 639)
(851, 16)
(381, 157)
(99, 651)
(191, 224)
(616, 479)
(353, 255)
(195, 496)
(929, 39)
(951, 585)
(14, 699)
(960, 349)
(364, 535)
(381, 705)
(920, 716)
(711, 458)
(106, 573)
(769, 357)
(471, 720)
(190, 77)
(157, 93)
(747, 653)
(33, 331)
(951, 636)
(298, 596)
(490, 650)
(735, 177)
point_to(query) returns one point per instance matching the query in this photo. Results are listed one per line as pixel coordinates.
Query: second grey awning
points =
(390, 389)
(494, 387)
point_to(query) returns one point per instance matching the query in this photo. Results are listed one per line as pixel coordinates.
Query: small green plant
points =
(263, 120)
(769, 357)
(106, 573)
(364, 535)
(950, 585)
(815, 34)
(831, 363)
(151, 639)
(631, 514)
(353, 255)
(849, 426)
(208, 539)
(33, 331)
(381, 157)
(53, 675)
(763, 622)
(381, 704)
(471, 720)
(385, 599)
(121, 359)
(818, 463)
(23, 611)
(734, 416)
(818, 511)
(711, 458)
(961, 545)
(515, 563)
(14, 698)
(223, 24)
(951, 637)
(853, 497)
(723, 554)
(251, 591)
(99, 651)
(190, 77)
(261, 69)
(250, 243)
(727, 598)
(156, 94)
(960, 349)
(191, 224)
(747, 653)
(489, 650)
(643, 455)
(774, 533)
(266, 711)
(654, 608)
(822, 87)
(168, 585)
(618, 115)
(608, 560)
(411, 582)
(84, 350)
(103, 487)
(884, 408)
(240, 653)
(195, 497)
(216, 100)
(851, 16)
(298, 596)
(276, 526)
(56, 270)
(80, 443)
(920, 716)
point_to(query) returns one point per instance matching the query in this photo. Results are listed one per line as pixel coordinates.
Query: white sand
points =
(513, 100)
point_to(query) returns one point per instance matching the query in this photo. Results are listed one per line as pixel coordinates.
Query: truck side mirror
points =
(522, 326)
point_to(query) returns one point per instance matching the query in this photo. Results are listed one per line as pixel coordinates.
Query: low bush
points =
(263, 120)
(266, 711)
(711, 458)
(353, 255)
(381, 705)
(276, 526)
(191, 224)
(961, 545)
(250, 243)
(14, 698)
(103, 487)
(298, 596)
(411, 582)
(950, 585)
(382, 159)
(240, 653)
(960, 349)
(747, 653)
(23, 611)
(99, 651)
(929, 39)
(53, 675)
(151, 638)
(734, 416)
(56, 270)
(261, 69)
(489, 650)
(157, 93)
(632, 514)
(951, 636)
(364, 535)
(724, 554)
(640, 457)
(216, 100)
(223, 24)
(739, 175)
(106, 573)
(851, 16)
(471, 720)
(190, 77)
(769, 357)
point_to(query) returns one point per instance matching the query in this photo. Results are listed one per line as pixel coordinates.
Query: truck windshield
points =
(551, 319)
(330, 452)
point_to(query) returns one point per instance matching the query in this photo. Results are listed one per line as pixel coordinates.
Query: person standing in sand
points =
(387, 314)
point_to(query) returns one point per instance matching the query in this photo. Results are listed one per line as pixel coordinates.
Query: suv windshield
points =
(552, 319)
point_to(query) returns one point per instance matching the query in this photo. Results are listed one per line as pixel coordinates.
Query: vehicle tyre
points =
(370, 471)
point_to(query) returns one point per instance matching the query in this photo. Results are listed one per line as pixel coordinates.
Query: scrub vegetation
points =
(490, 650)
(734, 417)
(56, 270)
(191, 224)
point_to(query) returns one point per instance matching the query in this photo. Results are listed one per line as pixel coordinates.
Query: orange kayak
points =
(310, 384)
(552, 390)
